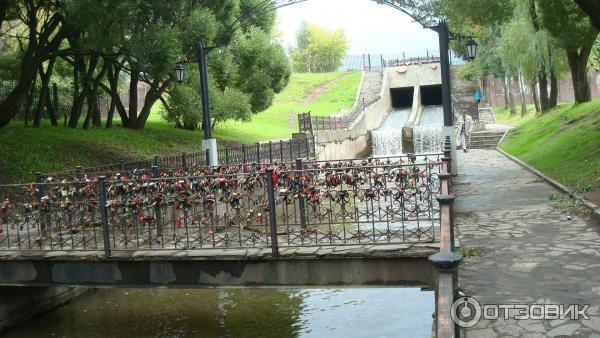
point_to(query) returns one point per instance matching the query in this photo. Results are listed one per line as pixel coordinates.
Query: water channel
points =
(175, 313)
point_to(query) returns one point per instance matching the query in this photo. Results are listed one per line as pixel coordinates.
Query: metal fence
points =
(308, 123)
(270, 152)
(372, 61)
(374, 201)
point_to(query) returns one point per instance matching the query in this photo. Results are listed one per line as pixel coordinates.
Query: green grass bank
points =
(563, 144)
(25, 150)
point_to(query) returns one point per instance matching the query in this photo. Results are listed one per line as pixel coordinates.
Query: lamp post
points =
(444, 43)
(208, 143)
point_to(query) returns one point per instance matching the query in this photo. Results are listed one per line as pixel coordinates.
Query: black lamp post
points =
(209, 143)
(471, 49)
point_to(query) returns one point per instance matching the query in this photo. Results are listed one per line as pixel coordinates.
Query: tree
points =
(45, 32)
(592, 9)
(244, 77)
(319, 50)
(571, 27)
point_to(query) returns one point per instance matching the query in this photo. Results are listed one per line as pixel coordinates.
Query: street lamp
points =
(180, 72)
(471, 49)
(209, 143)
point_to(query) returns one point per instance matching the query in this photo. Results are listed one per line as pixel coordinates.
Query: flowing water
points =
(277, 313)
(387, 140)
(427, 136)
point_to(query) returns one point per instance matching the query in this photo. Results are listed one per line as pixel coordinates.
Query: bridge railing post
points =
(301, 202)
(80, 173)
(272, 213)
(104, 215)
(184, 164)
(39, 188)
(257, 152)
(446, 270)
(158, 211)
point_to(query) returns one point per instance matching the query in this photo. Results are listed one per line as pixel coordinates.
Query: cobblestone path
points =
(526, 252)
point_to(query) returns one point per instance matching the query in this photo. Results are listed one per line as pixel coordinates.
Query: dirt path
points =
(321, 89)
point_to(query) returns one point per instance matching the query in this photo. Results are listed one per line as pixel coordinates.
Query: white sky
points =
(370, 28)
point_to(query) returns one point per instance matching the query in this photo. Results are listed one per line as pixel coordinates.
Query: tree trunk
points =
(578, 65)
(44, 94)
(543, 83)
(511, 97)
(111, 114)
(113, 80)
(536, 99)
(154, 93)
(522, 95)
(133, 98)
(97, 118)
(88, 115)
(553, 99)
(505, 89)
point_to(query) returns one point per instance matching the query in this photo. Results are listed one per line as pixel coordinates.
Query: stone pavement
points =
(526, 252)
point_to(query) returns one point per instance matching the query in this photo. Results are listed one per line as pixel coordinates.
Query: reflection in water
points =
(361, 312)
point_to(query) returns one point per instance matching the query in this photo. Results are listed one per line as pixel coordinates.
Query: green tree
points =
(565, 20)
(244, 76)
(319, 50)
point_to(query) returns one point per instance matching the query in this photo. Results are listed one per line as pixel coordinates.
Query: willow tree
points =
(571, 27)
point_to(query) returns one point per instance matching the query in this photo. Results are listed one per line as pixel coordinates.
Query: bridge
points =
(352, 222)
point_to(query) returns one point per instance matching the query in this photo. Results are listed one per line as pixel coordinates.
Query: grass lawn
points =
(280, 120)
(503, 115)
(25, 150)
(563, 143)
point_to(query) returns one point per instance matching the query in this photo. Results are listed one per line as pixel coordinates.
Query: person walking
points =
(465, 127)
(477, 96)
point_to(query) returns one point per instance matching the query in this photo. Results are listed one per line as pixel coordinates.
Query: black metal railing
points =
(315, 203)
(310, 124)
(269, 152)
(412, 61)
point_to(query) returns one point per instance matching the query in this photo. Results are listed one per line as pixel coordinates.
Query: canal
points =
(175, 313)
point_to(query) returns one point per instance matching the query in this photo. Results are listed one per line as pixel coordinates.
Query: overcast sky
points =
(370, 28)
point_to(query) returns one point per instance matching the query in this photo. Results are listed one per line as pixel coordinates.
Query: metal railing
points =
(316, 203)
(310, 124)
(269, 152)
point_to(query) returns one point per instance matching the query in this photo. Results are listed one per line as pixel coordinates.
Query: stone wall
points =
(20, 303)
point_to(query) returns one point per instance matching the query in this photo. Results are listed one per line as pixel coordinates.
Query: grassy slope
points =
(26, 150)
(280, 120)
(563, 143)
(503, 115)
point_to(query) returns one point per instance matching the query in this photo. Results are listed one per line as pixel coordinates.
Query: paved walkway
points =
(527, 252)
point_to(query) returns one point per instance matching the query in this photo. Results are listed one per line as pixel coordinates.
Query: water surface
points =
(358, 312)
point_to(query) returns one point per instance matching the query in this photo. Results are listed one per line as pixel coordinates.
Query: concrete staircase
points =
(486, 139)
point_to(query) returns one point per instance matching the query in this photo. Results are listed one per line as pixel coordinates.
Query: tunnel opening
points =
(431, 95)
(402, 97)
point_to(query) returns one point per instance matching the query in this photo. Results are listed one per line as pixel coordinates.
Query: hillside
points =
(563, 144)
(25, 150)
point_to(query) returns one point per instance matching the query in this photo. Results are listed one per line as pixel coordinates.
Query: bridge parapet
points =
(377, 201)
